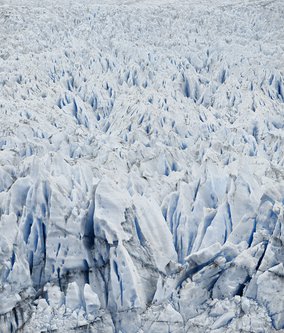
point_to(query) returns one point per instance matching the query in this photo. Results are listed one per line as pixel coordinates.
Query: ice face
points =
(141, 166)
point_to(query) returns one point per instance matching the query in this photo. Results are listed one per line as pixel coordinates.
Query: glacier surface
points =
(142, 166)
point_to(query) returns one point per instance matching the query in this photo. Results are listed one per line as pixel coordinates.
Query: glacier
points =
(141, 166)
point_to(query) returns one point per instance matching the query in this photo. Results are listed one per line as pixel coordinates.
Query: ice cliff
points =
(142, 166)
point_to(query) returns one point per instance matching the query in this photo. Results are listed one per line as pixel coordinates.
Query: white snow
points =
(141, 166)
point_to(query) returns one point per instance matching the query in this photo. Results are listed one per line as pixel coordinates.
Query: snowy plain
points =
(142, 166)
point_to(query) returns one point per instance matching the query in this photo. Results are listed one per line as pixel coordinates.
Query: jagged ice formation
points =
(141, 166)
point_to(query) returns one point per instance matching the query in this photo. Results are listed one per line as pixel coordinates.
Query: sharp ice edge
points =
(141, 178)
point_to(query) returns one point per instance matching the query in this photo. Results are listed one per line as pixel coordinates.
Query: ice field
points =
(142, 166)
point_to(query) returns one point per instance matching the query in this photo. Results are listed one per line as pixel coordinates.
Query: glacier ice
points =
(141, 166)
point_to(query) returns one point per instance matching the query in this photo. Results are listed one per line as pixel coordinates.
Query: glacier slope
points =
(141, 178)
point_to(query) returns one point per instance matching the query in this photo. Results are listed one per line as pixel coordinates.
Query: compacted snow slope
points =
(142, 166)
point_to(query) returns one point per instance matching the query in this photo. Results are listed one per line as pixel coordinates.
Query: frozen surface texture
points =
(142, 166)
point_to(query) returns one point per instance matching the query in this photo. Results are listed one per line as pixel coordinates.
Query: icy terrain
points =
(142, 166)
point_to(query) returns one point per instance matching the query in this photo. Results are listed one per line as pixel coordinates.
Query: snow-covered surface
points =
(141, 166)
